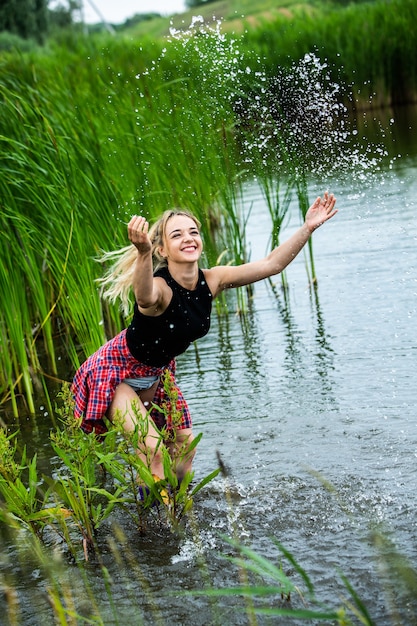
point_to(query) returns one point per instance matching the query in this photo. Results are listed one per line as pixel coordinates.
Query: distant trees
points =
(62, 13)
(26, 18)
(138, 18)
(190, 4)
(31, 19)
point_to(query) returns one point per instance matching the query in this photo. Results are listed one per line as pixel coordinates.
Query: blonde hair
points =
(116, 283)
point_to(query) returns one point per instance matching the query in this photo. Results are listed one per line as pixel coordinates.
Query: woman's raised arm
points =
(146, 289)
(226, 277)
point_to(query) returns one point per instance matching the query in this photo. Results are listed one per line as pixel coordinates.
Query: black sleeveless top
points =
(156, 340)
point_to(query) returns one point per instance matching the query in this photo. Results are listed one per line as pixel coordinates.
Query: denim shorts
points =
(140, 384)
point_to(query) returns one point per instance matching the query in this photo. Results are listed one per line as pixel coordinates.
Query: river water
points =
(301, 393)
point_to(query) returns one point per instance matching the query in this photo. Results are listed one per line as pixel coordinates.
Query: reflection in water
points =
(225, 352)
(325, 352)
(292, 335)
(251, 346)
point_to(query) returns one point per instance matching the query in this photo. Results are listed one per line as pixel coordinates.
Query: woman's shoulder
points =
(213, 277)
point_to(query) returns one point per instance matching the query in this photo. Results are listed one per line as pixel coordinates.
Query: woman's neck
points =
(185, 275)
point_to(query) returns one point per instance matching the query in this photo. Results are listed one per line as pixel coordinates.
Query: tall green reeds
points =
(45, 214)
(106, 128)
(88, 138)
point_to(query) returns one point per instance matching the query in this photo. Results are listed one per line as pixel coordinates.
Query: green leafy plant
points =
(272, 590)
(24, 502)
(79, 483)
(98, 474)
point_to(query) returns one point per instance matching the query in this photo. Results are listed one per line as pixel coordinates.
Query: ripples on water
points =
(327, 388)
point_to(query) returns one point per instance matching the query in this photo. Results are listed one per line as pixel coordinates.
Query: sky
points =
(117, 11)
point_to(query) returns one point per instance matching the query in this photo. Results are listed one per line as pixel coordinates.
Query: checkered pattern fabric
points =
(96, 380)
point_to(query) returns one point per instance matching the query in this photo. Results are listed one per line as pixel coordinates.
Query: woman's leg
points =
(176, 418)
(179, 450)
(125, 402)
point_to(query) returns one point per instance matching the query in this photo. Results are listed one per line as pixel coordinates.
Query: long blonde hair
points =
(116, 283)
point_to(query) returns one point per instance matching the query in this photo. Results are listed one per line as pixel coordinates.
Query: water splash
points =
(300, 124)
(219, 60)
(294, 123)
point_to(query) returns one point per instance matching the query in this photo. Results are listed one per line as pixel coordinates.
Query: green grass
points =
(237, 15)
(91, 137)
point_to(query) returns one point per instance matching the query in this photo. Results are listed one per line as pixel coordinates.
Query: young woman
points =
(173, 300)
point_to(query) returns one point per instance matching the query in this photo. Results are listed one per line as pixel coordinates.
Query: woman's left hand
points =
(320, 211)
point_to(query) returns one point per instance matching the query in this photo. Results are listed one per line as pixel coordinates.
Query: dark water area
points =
(303, 392)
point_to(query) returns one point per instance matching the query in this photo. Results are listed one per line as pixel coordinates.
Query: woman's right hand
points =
(137, 231)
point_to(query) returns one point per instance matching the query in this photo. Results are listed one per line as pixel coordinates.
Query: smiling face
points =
(182, 240)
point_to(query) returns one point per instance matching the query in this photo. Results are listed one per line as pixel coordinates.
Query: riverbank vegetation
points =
(97, 128)
(371, 42)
